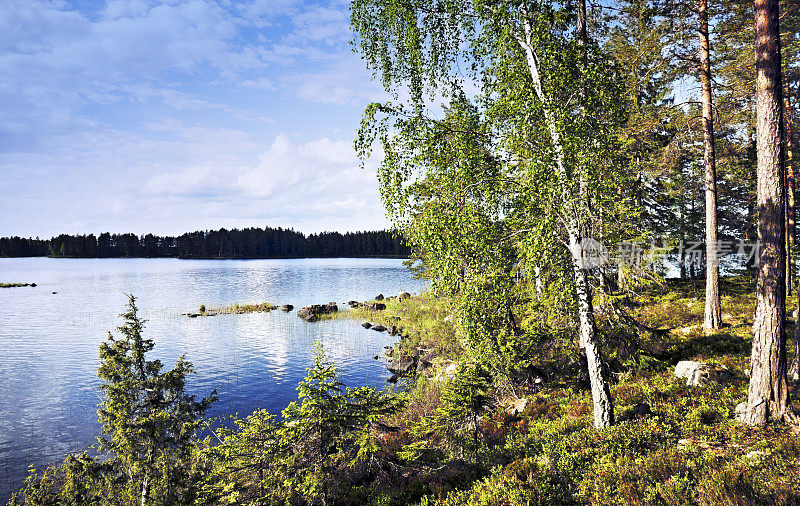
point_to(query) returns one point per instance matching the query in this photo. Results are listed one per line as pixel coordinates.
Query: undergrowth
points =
(455, 441)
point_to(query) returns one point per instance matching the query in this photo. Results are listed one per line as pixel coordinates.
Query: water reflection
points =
(49, 341)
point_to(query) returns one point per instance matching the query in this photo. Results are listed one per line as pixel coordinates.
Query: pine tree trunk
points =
(713, 313)
(768, 393)
(790, 189)
(794, 374)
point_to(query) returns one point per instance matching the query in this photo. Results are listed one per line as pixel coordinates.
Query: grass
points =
(690, 451)
(15, 285)
(424, 322)
(264, 307)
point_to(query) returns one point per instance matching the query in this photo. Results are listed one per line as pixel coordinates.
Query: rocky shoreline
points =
(401, 362)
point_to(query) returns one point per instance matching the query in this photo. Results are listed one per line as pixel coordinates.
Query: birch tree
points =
(546, 95)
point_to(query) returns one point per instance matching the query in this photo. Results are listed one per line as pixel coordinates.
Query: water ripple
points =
(49, 341)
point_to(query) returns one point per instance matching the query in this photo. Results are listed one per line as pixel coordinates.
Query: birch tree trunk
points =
(713, 312)
(601, 395)
(768, 393)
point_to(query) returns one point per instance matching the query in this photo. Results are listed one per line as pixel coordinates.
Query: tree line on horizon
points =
(247, 243)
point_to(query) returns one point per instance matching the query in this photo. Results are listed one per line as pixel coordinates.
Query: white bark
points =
(601, 397)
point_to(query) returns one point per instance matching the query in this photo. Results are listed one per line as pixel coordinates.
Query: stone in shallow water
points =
(401, 365)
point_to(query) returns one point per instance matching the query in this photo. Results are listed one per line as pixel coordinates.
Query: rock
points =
(286, 308)
(450, 371)
(378, 328)
(636, 412)
(379, 296)
(401, 365)
(190, 315)
(516, 407)
(55, 293)
(353, 303)
(448, 318)
(530, 376)
(697, 373)
(393, 378)
(311, 313)
(33, 284)
(429, 356)
(393, 330)
(366, 325)
(755, 455)
(404, 296)
(375, 306)
(425, 368)
(375, 357)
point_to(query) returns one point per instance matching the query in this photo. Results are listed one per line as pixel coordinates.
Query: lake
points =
(50, 335)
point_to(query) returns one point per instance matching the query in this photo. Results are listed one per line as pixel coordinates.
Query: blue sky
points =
(164, 117)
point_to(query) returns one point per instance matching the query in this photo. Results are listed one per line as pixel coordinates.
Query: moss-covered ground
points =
(689, 451)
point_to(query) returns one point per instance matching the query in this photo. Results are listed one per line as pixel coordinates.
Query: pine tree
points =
(768, 392)
(329, 421)
(148, 422)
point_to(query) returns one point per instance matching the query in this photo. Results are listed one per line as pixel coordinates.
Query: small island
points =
(263, 307)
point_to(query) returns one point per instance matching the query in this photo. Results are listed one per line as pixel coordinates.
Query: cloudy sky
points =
(164, 117)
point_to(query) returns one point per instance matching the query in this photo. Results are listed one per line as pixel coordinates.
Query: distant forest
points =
(222, 243)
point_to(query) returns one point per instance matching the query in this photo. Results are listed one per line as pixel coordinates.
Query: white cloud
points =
(304, 169)
(156, 116)
(261, 83)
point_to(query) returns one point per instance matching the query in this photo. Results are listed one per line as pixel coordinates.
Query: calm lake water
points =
(49, 341)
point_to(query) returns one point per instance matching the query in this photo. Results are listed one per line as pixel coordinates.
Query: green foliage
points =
(148, 422)
(247, 464)
(489, 192)
(322, 428)
(357, 446)
(455, 427)
(305, 456)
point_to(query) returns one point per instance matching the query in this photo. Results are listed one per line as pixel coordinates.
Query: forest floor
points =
(685, 448)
